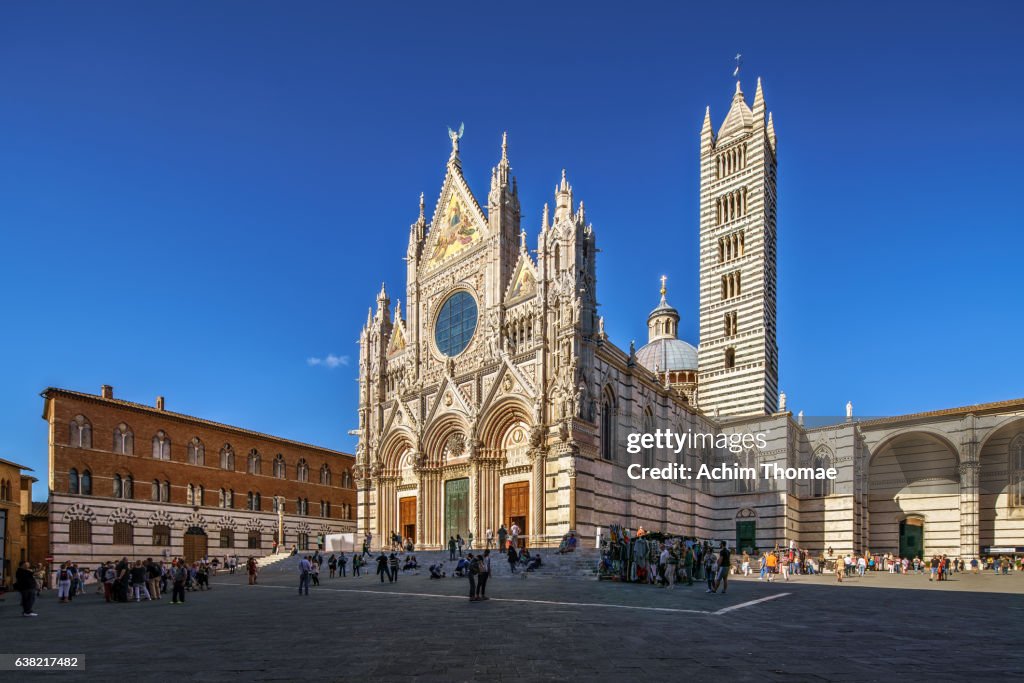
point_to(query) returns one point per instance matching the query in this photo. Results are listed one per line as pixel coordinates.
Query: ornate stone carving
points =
(122, 514)
(79, 511)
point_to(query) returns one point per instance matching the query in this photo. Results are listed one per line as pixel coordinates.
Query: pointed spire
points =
(423, 216)
(398, 311)
(771, 130)
(544, 221)
(581, 214)
(504, 146)
(522, 241)
(707, 132)
(758, 95)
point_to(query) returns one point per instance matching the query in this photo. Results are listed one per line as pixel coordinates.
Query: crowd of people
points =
(122, 580)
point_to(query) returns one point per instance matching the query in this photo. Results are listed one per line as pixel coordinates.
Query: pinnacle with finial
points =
(504, 146)
(664, 279)
(422, 208)
(522, 240)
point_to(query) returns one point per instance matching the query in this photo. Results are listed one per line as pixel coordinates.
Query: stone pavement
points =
(880, 628)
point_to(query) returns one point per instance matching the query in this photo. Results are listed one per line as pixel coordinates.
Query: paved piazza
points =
(882, 627)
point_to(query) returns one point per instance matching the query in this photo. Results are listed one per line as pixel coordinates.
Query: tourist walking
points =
(314, 572)
(393, 568)
(252, 569)
(472, 572)
(64, 582)
(25, 584)
(459, 542)
(332, 565)
(485, 573)
(469, 541)
(514, 532)
(178, 588)
(489, 539)
(502, 535)
(513, 558)
(342, 562)
(357, 563)
(382, 567)
(305, 567)
(452, 545)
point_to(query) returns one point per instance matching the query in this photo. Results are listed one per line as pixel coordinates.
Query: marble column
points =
(969, 509)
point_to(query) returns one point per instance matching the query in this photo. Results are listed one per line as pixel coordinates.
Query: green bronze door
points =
(912, 537)
(456, 508)
(746, 536)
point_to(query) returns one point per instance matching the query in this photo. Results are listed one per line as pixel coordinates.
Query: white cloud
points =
(330, 360)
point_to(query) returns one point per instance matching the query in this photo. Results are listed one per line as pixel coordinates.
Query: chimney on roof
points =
(107, 391)
(159, 402)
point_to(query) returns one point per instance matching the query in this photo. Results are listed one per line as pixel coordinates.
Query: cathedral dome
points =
(667, 354)
(664, 350)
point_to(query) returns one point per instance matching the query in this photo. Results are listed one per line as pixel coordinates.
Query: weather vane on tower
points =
(739, 62)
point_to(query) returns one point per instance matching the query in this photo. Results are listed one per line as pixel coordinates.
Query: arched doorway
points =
(516, 507)
(914, 481)
(912, 537)
(195, 544)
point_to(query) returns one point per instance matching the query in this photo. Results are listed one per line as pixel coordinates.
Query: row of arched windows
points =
(731, 285)
(731, 246)
(730, 161)
(80, 532)
(5, 490)
(731, 205)
(80, 436)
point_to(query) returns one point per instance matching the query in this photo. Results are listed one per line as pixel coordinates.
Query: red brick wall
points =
(103, 463)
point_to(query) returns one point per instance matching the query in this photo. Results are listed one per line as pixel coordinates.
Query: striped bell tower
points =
(738, 357)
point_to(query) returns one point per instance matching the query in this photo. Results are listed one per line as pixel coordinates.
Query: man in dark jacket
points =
(25, 583)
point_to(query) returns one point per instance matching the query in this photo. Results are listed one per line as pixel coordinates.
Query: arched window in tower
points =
(325, 475)
(129, 487)
(608, 426)
(81, 432)
(222, 499)
(201, 495)
(155, 491)
(165, 492)
(196, 452)
(118, 488)
(730, 358)
(249, 501)
(1017, 471)
(648, 429)
(190, 495)
(302, 470)
(124, 440)
(823, 459)
(257, 502)
(252, 464)
(280, 469)
(227, 457)
(87, 483)
(73, 482)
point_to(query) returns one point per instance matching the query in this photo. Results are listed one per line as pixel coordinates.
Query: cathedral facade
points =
(495, 397)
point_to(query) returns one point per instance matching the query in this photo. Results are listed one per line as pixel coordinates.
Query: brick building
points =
(127, 479)
(15, 503)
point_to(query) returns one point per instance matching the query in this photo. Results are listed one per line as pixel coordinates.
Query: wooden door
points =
(195, 544)
(517, 508)
(407, 517)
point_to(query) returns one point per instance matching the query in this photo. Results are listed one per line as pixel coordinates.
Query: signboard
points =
(997, 549)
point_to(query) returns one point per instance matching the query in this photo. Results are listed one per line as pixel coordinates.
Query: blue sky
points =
(197, 198)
